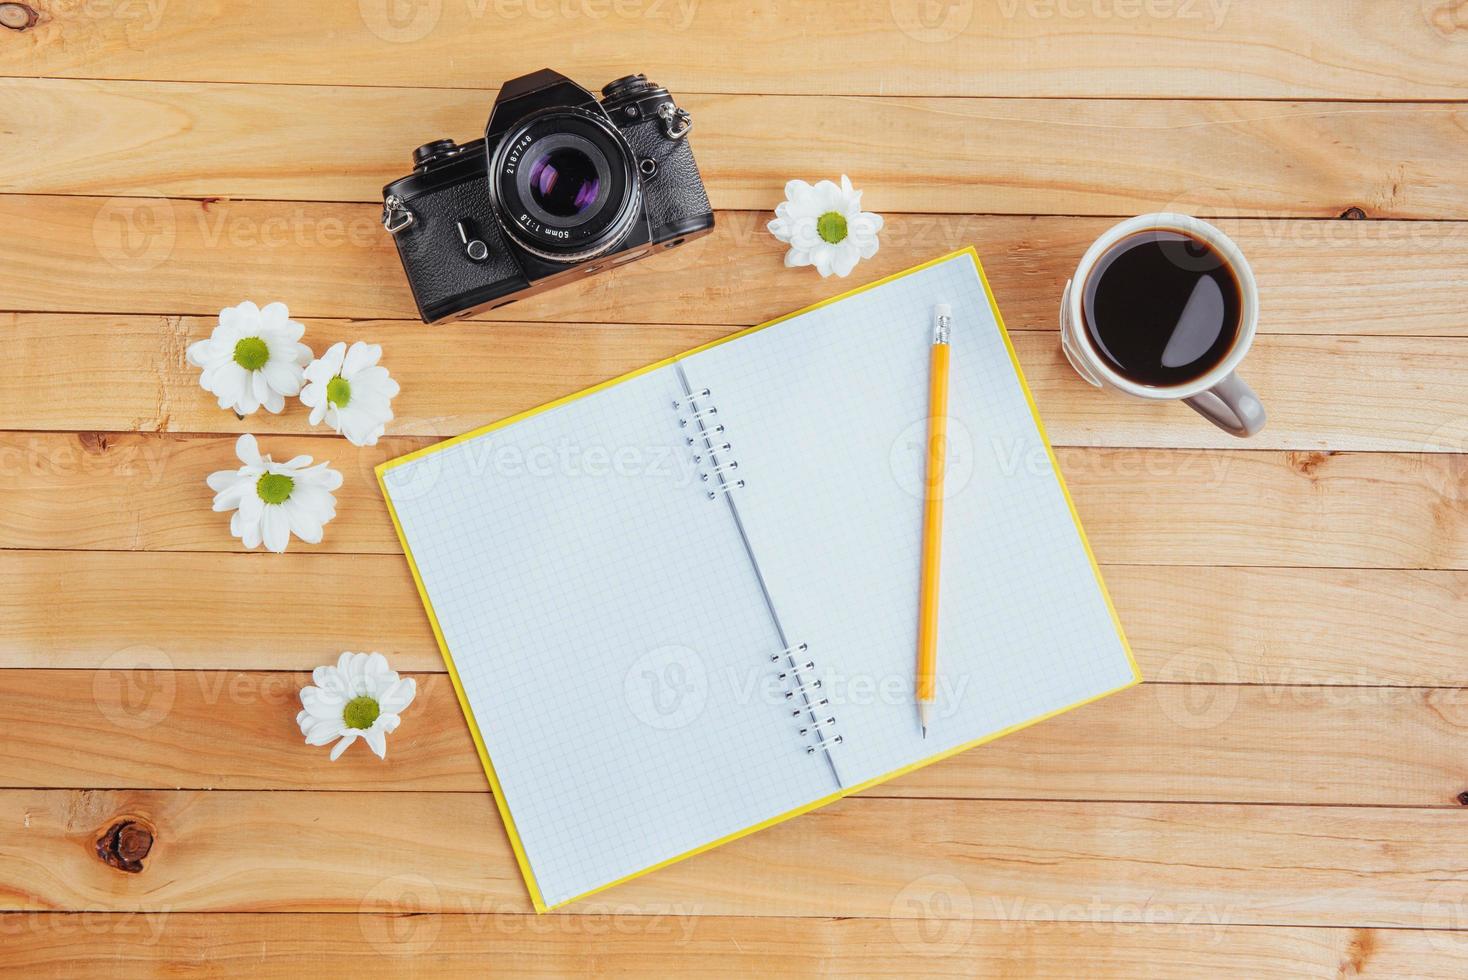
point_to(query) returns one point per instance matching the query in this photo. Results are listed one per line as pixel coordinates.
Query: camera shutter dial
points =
(433, 153)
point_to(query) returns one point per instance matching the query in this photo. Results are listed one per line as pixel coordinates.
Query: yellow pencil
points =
(934, 466)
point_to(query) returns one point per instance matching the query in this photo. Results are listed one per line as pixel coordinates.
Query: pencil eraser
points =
(943, 309)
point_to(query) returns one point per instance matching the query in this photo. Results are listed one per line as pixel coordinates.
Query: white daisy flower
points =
(254, 357)
(351, 391)
(825, 226)
(360, 696)
(271, 501)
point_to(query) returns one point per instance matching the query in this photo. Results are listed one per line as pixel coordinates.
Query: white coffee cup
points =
(1219, 395)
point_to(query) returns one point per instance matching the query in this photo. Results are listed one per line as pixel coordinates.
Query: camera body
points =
(562, 186)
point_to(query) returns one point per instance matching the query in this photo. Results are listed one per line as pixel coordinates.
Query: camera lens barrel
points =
(565, 184)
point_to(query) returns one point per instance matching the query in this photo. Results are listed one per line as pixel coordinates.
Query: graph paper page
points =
(828, 414)
(609, 633)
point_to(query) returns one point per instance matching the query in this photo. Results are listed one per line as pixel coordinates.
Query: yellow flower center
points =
(360, 712)
(274, 488)
(338, 391)
(831, 226)
(251, 353)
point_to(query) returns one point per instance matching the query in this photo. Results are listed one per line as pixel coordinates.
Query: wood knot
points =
(1306, 463)
(94, 443)
(1358, 950)
(125, 844)
(1463, 798)
(1353, 214)
(18, 16)
(1449, 19)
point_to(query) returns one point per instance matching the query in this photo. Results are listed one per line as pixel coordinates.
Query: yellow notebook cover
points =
(474, 470)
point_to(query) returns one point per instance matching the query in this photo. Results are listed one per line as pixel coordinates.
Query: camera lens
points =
(561, 181)
(564, 182)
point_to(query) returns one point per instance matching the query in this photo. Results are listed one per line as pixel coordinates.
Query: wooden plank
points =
(1341, 394)
(1350, 394)
(452, 380)
(132, 725)
(334, 260)
(1275, 626)
(1014, 156)
(78, 609)
(1245, 49)
(361, 852)
(1317, 509)
(74, 609)
(146, 492)
(453, 944)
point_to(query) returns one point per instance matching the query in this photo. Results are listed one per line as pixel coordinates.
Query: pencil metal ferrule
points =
(942, 324)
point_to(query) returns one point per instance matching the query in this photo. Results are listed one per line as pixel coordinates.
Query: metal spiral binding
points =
(806, 691)
(706, 439)
(718, 470)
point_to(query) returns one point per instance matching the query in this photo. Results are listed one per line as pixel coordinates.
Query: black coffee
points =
(1162, 307)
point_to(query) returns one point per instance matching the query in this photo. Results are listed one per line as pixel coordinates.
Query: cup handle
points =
(1231, 405)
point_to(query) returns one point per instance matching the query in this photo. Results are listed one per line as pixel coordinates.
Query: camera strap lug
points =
(395, 214)
(676, 122)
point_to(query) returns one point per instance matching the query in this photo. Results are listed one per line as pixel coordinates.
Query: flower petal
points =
(322, 475)
(797, 257)
(359, 357)
(331, 361)
(348, 738)
(233, 496)
(323, 702)
(359, 427)
(221, 480)
(844, 258)
(284, 376)
(248, 450)
(374, 381)
(303, 522)
(228, 382)
(806, 235)
(398, 696)
(351, 670)
(821, 258)
(798, 192)
(275, 528)
(376, 740)
(329, 678)
(200, 352)
(319, 731)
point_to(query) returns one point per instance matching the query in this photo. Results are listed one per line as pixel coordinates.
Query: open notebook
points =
(681, 606)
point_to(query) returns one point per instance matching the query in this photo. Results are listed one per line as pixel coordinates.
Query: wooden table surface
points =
(1282, 798)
